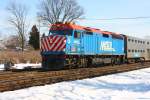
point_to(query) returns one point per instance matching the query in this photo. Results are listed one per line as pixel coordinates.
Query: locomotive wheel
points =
(86, 64)
(89, 61)
(70, 63)
(112, 61)
(82, 62)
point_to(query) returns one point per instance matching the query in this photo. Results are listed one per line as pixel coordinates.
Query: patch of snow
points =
(22, 65)
(134, 85)
(1, 66)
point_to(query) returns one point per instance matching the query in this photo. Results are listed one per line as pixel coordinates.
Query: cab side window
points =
(106, 35)
(77, 34)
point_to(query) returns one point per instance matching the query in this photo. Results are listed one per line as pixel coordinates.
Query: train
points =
(75, 46)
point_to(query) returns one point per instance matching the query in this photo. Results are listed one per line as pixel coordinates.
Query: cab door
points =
(89, 43)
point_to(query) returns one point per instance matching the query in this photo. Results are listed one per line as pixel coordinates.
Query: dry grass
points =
(21, 57)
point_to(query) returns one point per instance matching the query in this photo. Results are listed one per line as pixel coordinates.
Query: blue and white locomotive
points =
(69, 45)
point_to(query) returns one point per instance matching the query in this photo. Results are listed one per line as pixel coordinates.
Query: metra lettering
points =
(106, 46)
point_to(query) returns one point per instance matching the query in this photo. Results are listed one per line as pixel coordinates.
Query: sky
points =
(94, 9)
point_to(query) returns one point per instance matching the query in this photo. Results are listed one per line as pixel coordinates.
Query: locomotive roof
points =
(76, 27)
(116, 35)
(66, 26)
(61, 26)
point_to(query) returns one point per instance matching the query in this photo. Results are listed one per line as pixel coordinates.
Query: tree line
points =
(50, 11)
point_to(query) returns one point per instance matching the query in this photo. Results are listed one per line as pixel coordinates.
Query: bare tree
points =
(12, 42)
(63, 11)
(18, 14)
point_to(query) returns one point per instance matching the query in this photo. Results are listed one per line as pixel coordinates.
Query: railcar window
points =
(129, 40)
(89, 33)
(135, 41)
(132, 40)
(143, 42)
(77, 34)
(138, 41)
(135, 50)
(60, 32)
(106, 35)
(132, 50)
(147, 42)
(129, 50)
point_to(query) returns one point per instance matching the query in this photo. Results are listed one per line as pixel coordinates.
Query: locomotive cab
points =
(73, 37)
(63, 40)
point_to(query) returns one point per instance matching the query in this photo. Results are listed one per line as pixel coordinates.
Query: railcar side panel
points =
(110, 46)
(104, 45)
(89, 45)
(118, 46)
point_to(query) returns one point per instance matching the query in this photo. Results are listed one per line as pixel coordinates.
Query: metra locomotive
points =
(69, 45)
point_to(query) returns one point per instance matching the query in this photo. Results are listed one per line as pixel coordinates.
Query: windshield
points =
(60, 32)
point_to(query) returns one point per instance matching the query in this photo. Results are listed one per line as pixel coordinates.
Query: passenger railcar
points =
(71, 45)
(137, 48)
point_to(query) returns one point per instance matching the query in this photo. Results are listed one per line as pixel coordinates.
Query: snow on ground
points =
(22, 66)
(1, 66)
(133, 85)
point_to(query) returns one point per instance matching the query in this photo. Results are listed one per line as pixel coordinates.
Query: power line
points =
(120, 18)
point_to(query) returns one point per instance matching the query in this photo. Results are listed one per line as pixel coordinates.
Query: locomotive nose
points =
(53, 43)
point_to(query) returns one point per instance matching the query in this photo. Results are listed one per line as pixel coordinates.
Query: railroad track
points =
(17, 80)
